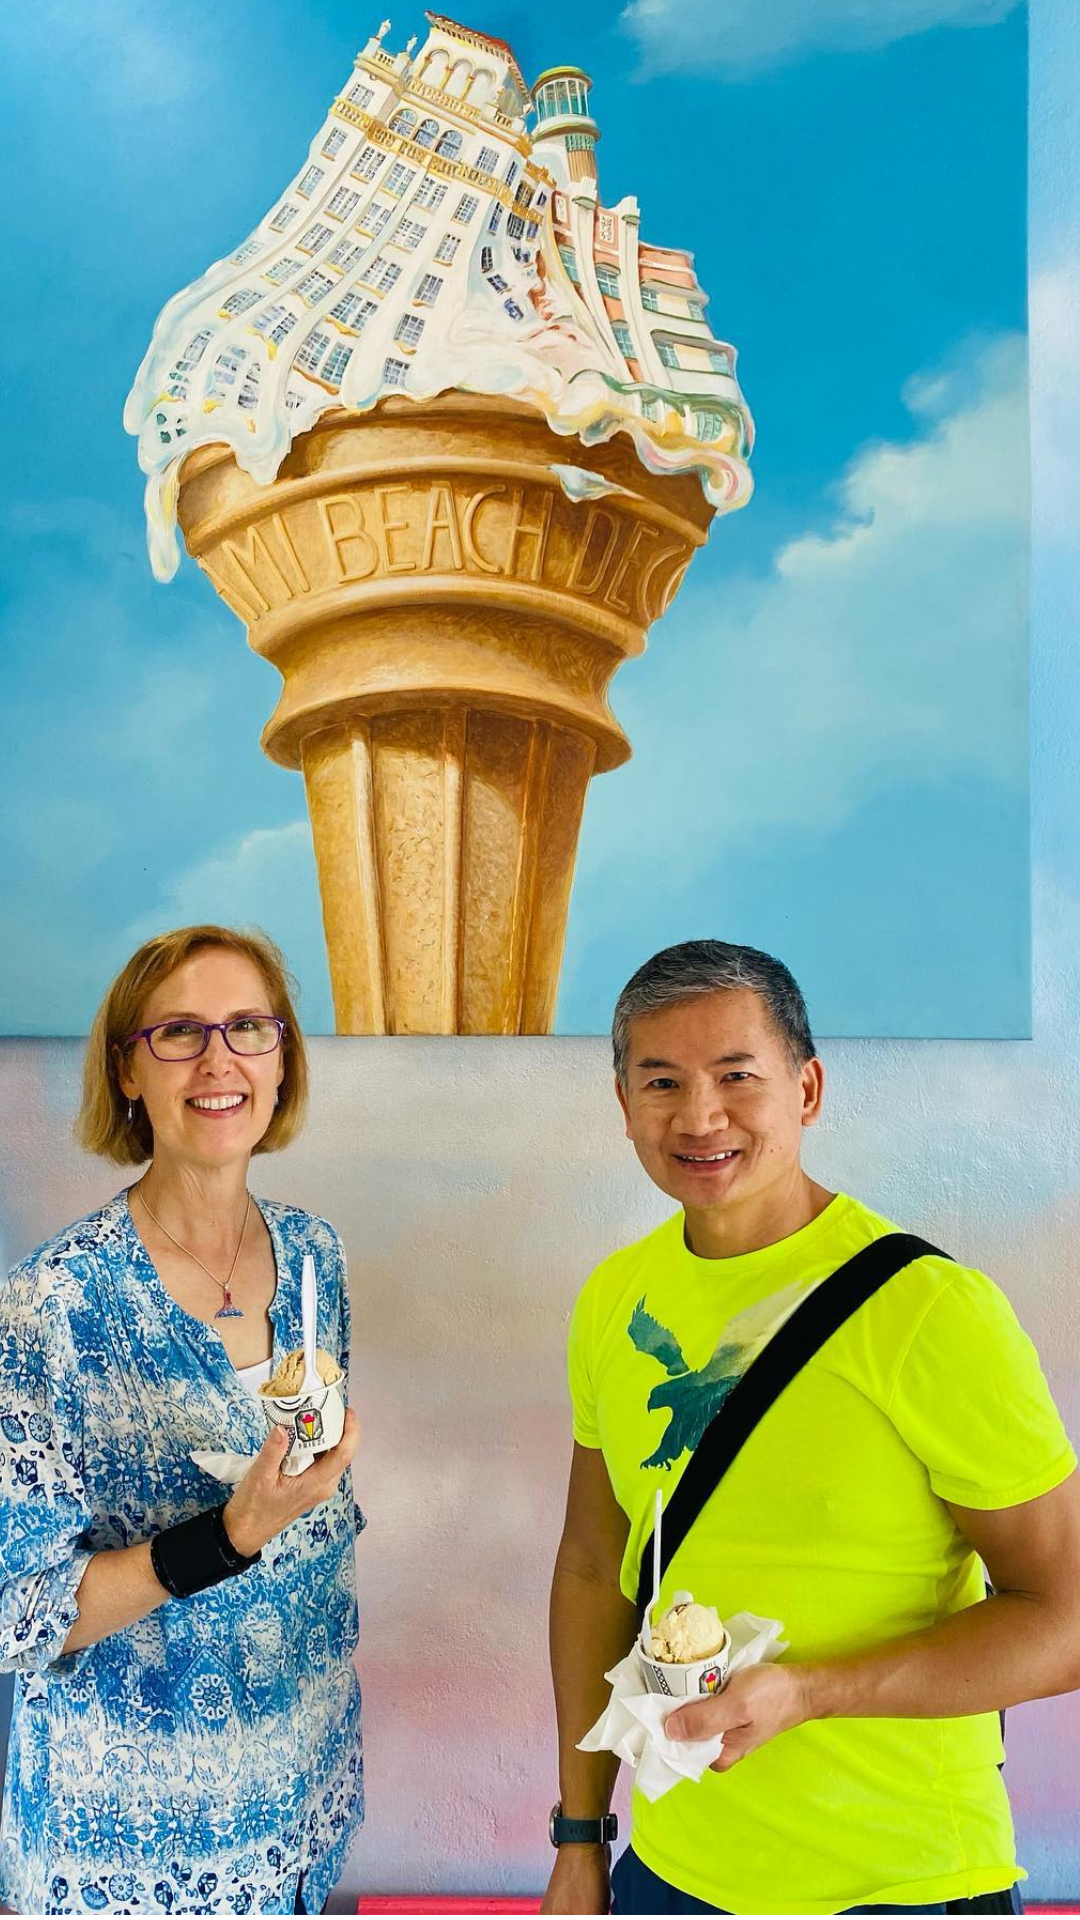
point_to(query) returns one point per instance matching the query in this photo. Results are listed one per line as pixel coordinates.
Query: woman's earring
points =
(277, 1095)
(131, 1113)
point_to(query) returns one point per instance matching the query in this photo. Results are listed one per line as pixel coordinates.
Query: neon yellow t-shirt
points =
(833, 1520)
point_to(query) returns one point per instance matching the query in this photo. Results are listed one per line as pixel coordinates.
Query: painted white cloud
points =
(886, 643)
(1055, 401)
(266, 879)
(743, 36)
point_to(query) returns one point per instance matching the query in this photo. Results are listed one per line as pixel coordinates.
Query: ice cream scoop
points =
(289, 1378)
(687, 1631)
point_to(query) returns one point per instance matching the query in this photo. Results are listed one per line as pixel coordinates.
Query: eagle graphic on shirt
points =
(689, 1397)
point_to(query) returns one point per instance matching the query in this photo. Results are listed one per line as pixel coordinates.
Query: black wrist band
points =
(197, 1554)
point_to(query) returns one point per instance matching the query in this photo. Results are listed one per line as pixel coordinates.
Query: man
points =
(861, 1770)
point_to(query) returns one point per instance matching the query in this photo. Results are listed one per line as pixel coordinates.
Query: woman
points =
(186, 1728)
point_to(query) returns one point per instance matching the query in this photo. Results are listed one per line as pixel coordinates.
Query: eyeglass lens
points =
(184, 1039)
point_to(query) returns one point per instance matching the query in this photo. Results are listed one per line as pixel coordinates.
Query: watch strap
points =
(583, 1833)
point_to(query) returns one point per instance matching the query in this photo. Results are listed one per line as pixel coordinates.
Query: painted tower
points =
(445, 435)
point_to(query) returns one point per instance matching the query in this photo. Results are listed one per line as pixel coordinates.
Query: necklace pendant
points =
(227, 1311)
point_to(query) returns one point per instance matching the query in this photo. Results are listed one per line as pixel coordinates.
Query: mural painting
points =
(450, 435)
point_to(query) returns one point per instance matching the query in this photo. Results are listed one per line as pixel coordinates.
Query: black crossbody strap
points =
(813, 1322)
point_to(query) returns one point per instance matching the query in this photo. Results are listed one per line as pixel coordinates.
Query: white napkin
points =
(229, 1468)
(632, 1723)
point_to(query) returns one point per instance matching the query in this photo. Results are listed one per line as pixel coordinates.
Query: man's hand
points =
(580, 1882)
(754, 1707)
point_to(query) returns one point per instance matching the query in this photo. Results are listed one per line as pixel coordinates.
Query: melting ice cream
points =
(286, 1383)
(431, 241)
(686, 1632)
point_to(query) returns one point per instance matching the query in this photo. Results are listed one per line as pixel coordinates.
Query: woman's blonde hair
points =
(103, 1126)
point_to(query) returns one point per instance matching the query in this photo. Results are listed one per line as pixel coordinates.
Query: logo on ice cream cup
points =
(314, 1422)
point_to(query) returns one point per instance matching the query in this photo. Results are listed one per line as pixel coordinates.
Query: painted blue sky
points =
(852, 792)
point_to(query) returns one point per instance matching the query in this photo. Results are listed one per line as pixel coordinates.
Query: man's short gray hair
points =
(713, 966)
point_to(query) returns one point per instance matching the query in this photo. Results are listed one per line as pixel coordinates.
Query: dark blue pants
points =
(635, 1888)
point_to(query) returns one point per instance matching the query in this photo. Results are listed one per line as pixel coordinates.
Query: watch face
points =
(552, 1817)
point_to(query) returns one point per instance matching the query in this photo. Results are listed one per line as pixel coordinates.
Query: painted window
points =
(283, 215)
(605, 226)
(625, 339)
(719, 361)
(382, 274)
(226, 367)
(404, 122)
(245, 252)
(345, 255)
(431, 193)
(496, 219)
(194, 350)
(282, 328)
(668, 353)
(281, 270)
(263, 321)
(361, 94)
(511, 173)
(316, 236)
(566, 255)
(368, 162)
(487, 160)
(354, 311)
(695, 309)
(248, 397)
(532, 229)
(428, 291)
(607, 279)
(399, 179)
(466, 207)
(314, 285)
(408, 329)
(334, 142)
(709, 424)
(513, 310)
(240, 302)
(309, 182)
(515, 226)
(395, 373)
(335, 363)
(447, 248)
(449, 144)
(375, 219)
(500, 285)
(427, 133)
(342, 203)
(409, 233)
(487, 259)
(651, 409)
(650, 299)
(311, 350)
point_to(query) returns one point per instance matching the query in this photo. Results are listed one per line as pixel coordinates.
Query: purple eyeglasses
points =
(185, 1039)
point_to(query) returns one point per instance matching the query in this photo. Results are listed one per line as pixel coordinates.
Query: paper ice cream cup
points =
(314, 1422)
(686, 1678)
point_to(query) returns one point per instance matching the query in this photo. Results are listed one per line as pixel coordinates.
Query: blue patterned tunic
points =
(201, 1760)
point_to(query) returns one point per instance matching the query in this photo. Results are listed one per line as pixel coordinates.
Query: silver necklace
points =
(228, 1310)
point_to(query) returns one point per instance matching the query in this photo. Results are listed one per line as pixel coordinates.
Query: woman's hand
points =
(266, 1499)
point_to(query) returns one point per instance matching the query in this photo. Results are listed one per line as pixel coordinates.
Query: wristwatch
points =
(581, 1833)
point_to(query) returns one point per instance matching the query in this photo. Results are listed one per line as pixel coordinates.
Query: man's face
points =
(714, 1104)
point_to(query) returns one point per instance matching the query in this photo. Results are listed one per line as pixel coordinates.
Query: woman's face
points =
(212, 1111)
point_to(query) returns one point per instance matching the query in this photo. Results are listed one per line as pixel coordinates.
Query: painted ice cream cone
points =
(448, 464)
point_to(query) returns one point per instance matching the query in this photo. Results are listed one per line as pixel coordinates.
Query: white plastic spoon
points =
(309, 1317)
